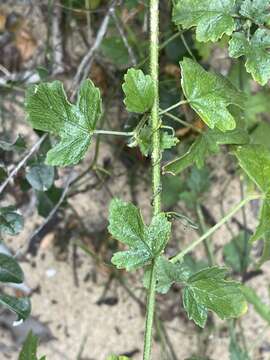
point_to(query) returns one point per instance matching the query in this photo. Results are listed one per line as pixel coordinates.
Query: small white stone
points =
(50, 273)
(17, 323)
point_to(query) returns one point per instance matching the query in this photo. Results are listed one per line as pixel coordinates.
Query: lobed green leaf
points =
(49, 110)
(256, 51)
(139, 90)
(207, 289)
(144, 242)
(210, 95)
(212, 18)
(256, 10)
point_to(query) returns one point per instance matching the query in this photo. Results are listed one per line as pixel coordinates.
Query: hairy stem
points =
(156, 159)
(195, 243)
(150, 312)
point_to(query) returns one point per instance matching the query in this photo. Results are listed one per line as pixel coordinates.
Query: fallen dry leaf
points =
(47, 241)
(98, 76)
(2, 22)
(198, 124)
(172, 70)
(25, 43)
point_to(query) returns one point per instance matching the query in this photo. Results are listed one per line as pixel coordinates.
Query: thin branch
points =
(14, 172)
(86, 63)
(35, 238)
(57, 41)
(209, 232)
(124, 38)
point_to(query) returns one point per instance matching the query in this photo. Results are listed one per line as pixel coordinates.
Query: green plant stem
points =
(162, 46)
(183, 122)
(150, 313)
(182, 102)
(115, 133)
(207, 244)
(195, 243)
(156, 171)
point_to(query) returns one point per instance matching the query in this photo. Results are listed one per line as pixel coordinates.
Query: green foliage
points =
(171, 187)
(49, 110)
(194, 309)
(144, 242)
(204, 289)
(197, 184)
(256, 10)
(255, 51)
(21, 306)
(11, 222)
(29, 350)
(208, 290)
(115, 357)
(260, 307)
(3, 173)
(167, 274)
(261, 134)
(18, 144)
(40, 176)
(144, 137)
(10, 270)
(196, 83)
(255, 161)
(217, 102)
(236, 253)
(168, 141)
(139, 91)
(47, 200)
(205, 144)
(213, 18)
(236, 352)
(115, 50)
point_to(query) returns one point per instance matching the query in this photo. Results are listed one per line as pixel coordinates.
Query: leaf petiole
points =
(195, 243)
(182, 102)
(115, 133)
